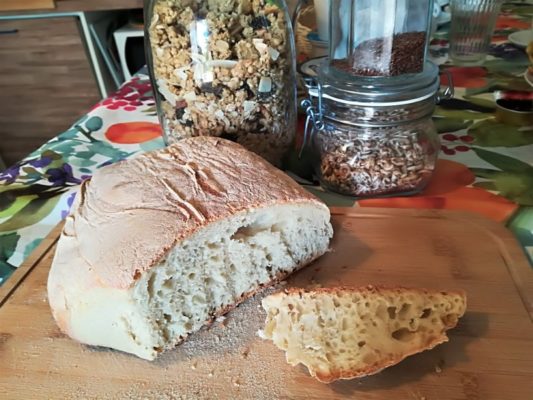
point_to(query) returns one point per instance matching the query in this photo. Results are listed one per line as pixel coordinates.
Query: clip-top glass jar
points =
(374, 138)
(224, 68)
(370, 113)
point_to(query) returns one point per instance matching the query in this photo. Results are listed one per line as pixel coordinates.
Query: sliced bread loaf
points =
(157, 246)
(344, 333)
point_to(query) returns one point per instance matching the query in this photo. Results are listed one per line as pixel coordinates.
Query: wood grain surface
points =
(97, 5)
(47, 83)
(489, 355)
(16, 5)
(26, 7)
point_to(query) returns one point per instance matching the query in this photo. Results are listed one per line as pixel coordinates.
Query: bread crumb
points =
(439, 366)
(236, 383)
(221, 320)
(193, 366)
(245, 352)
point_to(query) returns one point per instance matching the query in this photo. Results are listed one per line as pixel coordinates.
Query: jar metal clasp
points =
(449, 91)
(314, 119)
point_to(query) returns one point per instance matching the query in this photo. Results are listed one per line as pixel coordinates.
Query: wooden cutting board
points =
(489, 356)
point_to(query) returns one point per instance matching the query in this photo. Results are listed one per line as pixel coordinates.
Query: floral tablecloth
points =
(485, 166)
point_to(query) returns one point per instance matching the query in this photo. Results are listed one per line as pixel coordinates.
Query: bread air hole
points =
(426, 313)
(254, 228)
(404, 310)
(344, 324)
(403, 335)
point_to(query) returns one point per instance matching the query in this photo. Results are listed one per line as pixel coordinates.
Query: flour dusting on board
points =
(222, 359)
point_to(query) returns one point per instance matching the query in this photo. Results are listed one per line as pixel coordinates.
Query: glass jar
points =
(379, 37)
(374, 137)
(224, 68)
(381, 160)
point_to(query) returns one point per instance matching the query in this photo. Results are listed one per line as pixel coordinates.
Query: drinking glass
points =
(471, 31)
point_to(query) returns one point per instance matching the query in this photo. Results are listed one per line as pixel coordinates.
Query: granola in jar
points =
(225, 68)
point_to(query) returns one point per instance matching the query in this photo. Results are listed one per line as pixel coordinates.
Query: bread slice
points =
(344, 333)
(157, 246)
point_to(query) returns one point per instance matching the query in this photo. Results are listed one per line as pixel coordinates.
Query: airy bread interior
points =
(346, 333)
(222, 264)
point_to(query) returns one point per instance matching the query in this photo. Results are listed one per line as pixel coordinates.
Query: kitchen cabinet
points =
(46, 82)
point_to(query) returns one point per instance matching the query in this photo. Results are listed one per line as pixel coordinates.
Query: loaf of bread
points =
(157, 246)
(344, 333)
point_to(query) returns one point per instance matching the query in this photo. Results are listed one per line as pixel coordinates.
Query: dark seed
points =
(260, 22)
(372, 57)
(179, 113)
(180, 108)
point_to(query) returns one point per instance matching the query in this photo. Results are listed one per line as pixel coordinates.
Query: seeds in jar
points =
(399, 54)
(379, 164)
(224, 68)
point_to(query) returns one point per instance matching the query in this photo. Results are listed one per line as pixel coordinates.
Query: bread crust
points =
(370, 289)
(130, 214)
(344, 374)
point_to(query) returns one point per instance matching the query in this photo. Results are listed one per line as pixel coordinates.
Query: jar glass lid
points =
(404, 89)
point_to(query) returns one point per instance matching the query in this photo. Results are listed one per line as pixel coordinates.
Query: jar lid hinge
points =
(314, 114)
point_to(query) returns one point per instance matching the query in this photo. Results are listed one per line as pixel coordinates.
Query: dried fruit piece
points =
(260, 22)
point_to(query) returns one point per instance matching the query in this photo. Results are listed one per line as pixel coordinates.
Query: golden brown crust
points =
(374, 369)
(130, 214)
(370, 289)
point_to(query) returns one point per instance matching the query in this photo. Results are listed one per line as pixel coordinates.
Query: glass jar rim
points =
(377, 91)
